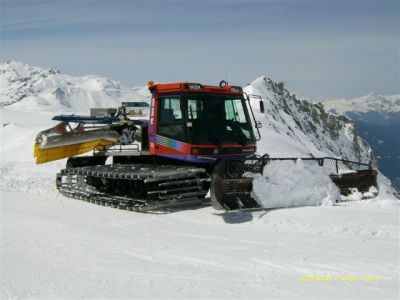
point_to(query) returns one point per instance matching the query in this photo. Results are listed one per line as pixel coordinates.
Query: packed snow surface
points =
(294, 184)
(55, 247)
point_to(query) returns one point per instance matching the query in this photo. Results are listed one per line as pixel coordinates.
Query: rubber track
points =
(173, 186)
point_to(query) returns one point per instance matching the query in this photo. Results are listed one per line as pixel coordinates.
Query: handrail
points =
(235, 168)
(252, 113)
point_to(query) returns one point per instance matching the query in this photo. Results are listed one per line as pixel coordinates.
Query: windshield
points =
(205, 119)
(218, 119)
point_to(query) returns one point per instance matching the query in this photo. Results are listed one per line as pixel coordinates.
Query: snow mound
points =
(294, 184)
(356, 195)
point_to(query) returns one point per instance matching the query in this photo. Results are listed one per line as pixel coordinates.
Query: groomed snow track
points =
(137, 187)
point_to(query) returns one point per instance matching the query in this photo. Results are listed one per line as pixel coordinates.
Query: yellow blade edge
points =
(51, 154)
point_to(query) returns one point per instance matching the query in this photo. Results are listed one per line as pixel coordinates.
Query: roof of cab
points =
(194, 88)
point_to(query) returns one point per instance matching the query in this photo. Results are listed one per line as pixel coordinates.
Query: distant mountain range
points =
(378, 122)
(36, 89)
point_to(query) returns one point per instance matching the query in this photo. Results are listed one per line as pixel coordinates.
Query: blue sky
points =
(319, 48)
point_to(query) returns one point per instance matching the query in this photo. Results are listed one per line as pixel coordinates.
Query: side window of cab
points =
(170, 120)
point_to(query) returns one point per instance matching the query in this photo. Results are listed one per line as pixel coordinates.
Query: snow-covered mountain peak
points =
(37, 89)
(293, 127)
(19, 70)
(367, 103)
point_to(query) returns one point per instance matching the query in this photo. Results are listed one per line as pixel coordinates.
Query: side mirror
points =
(258, 124)
(261, 106)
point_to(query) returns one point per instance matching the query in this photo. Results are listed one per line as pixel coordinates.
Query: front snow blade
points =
(61, 142)
(55, 153)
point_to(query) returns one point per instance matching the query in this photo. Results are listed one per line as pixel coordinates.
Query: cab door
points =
(170, 134)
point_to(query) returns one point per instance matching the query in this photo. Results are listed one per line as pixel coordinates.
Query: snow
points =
(367, 103)
(29, 88)
(55, 247)
(299, 128)
(354, 196)
(294, 184)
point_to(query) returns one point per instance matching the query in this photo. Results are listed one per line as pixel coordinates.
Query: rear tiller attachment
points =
(231, 184)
